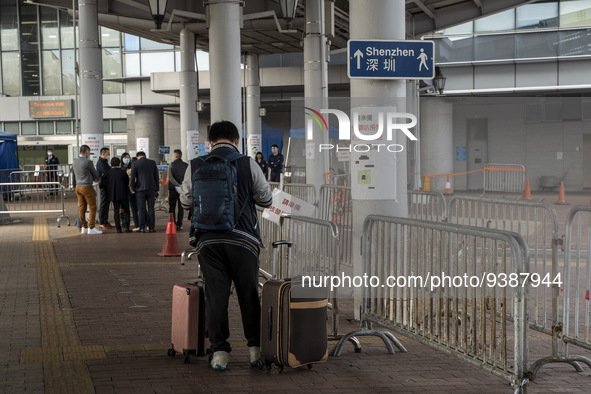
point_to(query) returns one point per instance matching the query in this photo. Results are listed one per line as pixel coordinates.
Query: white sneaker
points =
(94, 230)
(83, 230)
(255, 356)
(220, 360)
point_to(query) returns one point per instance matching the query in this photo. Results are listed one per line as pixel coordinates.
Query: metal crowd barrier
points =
(469, 323)
(5, 174)
(42, 176)
(336, 206)
(507, 178)
(34, 198)
(162, 190)
(537, 223)
(427, 205)
(302, 191)
(315, 252)
(576, 324)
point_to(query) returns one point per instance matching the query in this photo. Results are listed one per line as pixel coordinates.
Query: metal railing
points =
(507, 178)
(576, 324)
(469, 323)
(34, 198)
(537, 223)
(427, 205)
(41, 176)
(315, 252)
(336, 206)
(302, 191)
(162, 198)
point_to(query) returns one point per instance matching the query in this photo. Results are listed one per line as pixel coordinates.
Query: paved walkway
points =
(85, 314)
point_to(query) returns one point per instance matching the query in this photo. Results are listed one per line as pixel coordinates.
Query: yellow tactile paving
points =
(63, 357)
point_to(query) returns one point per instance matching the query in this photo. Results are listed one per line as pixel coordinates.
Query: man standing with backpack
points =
(223, 188)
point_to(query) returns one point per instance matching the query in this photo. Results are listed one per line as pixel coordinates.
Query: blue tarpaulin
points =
(8, 157)
(333, 132)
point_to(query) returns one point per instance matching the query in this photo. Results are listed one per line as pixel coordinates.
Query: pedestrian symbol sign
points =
(378, 59)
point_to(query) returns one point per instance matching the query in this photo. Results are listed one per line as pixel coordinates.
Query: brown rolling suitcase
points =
(293, 330)
(188, 320)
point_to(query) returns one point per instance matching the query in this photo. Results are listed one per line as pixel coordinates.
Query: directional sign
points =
(163, 149)
(378, 59)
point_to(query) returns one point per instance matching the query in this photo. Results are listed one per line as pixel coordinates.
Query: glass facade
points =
(38, 57)
(545, 29)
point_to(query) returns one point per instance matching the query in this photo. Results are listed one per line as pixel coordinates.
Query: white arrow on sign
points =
(358, 55)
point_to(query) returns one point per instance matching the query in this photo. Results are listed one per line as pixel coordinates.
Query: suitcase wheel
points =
(309, 366)
(186, 361)
(171, 352)
(268, 365)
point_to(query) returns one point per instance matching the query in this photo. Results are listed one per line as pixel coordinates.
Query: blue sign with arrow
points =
(378, 59)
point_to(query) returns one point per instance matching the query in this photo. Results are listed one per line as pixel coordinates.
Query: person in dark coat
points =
(275, 163)
(118, 188)
(262, 163)
(176, 174)
(51, 163)
(144, 182)
(103, 167)
(126, 162)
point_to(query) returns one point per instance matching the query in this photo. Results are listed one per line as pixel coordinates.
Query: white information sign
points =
(285, 203)
(254, 144)
(192, 144)
(143, 145)
(373, 162)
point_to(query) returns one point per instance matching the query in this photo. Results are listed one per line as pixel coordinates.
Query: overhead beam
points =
(428, 11)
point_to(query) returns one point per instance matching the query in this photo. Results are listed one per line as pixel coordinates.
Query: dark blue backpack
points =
(215, 192)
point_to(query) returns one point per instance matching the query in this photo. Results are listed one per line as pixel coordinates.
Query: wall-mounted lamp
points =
(262, 112)
(439, 81)
(158, 10)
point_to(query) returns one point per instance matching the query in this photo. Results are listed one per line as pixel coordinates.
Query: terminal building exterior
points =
(516, 90)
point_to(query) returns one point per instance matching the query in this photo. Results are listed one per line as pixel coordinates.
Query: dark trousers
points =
(145, 206)
(121, 207)
(174, 204)
(222, 262)
(134, 211)
(103, 212)
(275, 176)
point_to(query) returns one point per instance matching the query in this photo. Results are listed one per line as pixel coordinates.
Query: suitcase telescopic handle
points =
(276, 244)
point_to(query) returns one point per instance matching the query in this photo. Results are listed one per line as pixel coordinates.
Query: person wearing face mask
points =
(275, 163)
(51, 163)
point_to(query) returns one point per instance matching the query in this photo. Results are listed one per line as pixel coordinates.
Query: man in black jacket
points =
(144, 182)
(118, 182)
(103, 167)
(231, 256)
(176, 174)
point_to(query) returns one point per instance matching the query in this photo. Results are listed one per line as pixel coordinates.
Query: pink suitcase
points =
(188, 320)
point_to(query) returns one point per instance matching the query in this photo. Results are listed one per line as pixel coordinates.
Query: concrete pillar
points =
(149, 123)
(188, 90)
(378, 20)
(315, 89)
(224, 61)
(414, 151)
(437, 145)
(91, 78)
(254, 136)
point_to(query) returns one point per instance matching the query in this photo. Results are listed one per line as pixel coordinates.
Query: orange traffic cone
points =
(448, 191)
(561, 197)
(171, 245)
(527, 191)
